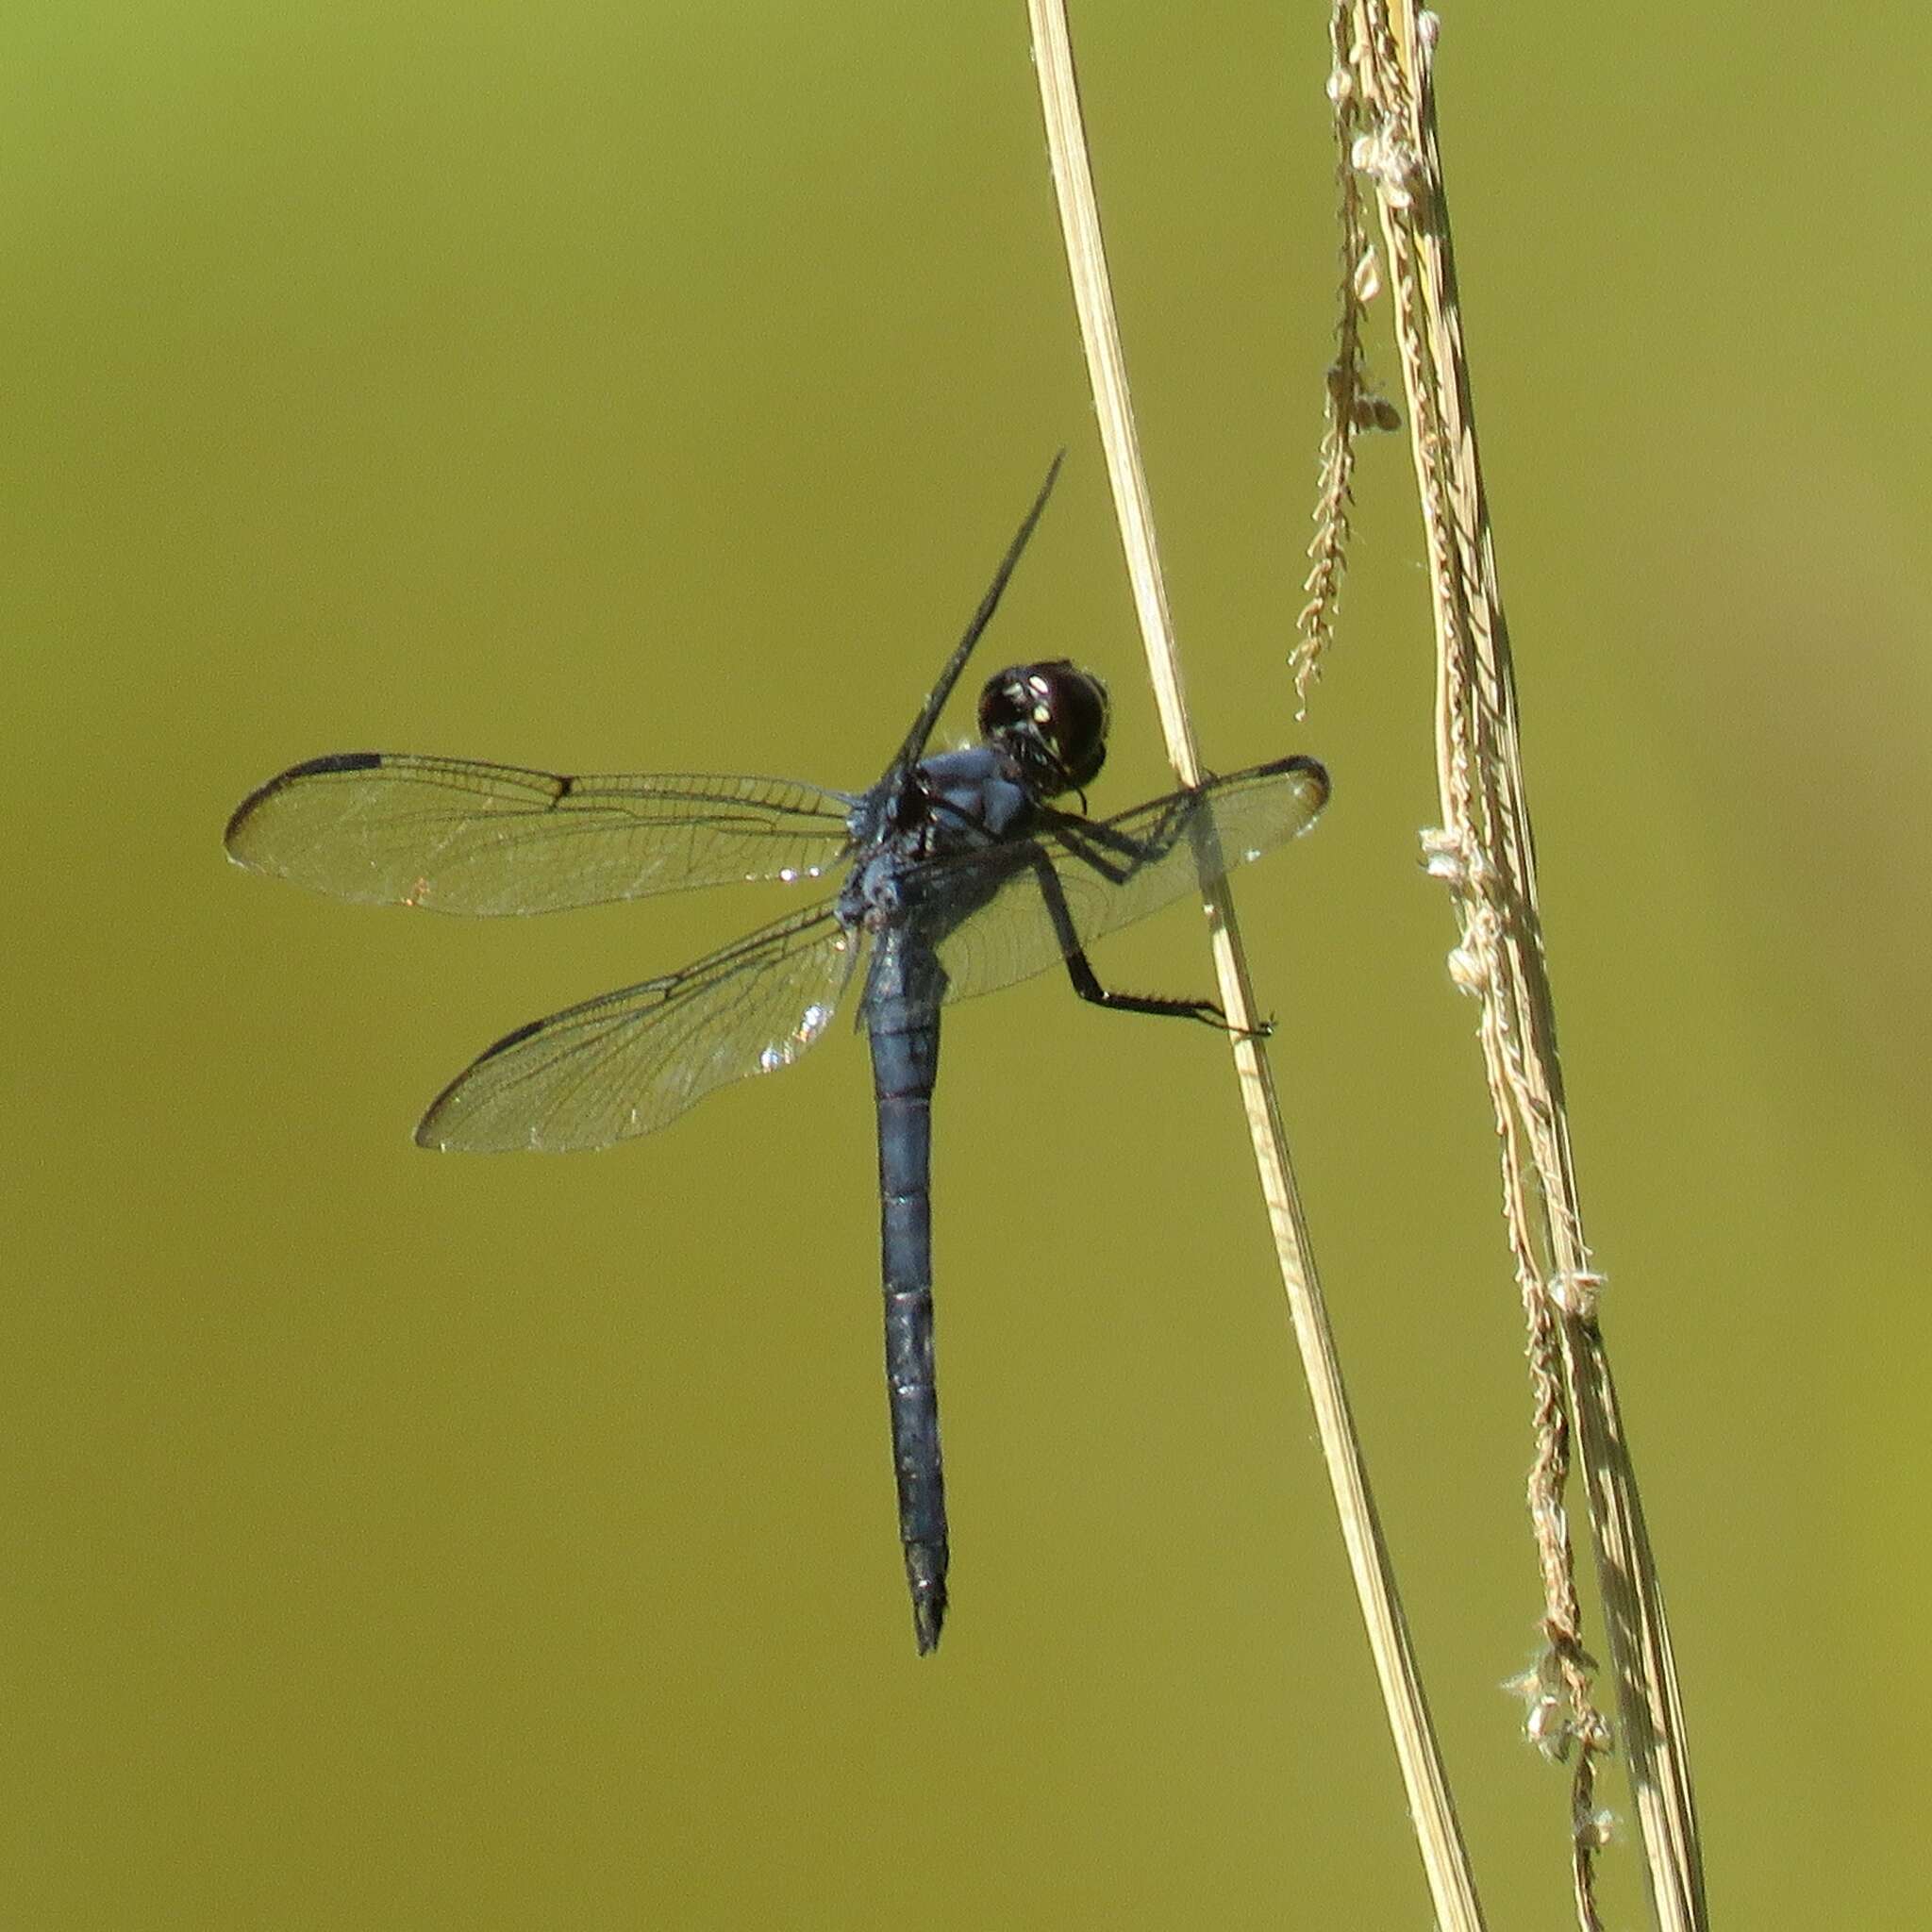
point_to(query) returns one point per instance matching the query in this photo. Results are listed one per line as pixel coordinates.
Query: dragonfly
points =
(961, 873)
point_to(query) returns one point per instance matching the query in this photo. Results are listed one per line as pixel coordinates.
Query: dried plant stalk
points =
(1351, 404)
(1486, 854)
(1445, 1859)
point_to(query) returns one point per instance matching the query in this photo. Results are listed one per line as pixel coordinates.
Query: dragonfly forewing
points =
(457, 835)
(628, 1062)
(1076, 880)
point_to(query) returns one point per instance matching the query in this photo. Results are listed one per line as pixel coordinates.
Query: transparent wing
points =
(458, 836)
(1018, 908)
(630, 1061)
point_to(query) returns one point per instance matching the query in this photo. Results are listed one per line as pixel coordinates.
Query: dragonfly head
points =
(1051, 719)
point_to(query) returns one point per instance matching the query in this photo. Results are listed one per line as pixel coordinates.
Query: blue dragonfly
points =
(960, 874)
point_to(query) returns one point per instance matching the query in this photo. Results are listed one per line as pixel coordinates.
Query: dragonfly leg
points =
(1086, 984)
(1117, 855)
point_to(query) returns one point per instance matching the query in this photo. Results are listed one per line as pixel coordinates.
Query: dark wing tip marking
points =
(1316, 774)
(509, 1040)
(1315, 786)
(429, 1128)
(331, 761)
(327, 766)
(232, 830)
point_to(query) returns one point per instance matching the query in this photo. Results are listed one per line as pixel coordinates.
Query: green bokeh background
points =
(406, 1542)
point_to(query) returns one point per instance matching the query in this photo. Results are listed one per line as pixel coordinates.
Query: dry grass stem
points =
(1352, 404)
(1444, 1857)
(1484, 853)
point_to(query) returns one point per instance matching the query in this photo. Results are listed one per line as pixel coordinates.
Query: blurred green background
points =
(398, 1541)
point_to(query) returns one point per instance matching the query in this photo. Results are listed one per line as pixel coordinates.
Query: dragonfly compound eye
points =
(1052, 717)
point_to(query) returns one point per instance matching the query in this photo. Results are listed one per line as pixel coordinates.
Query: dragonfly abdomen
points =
(904, 1037)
